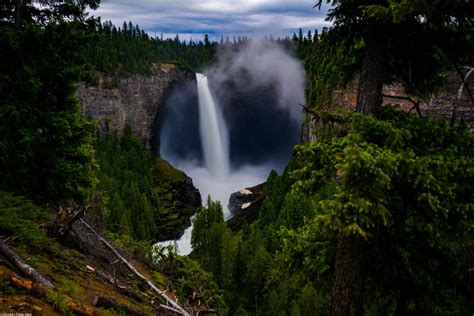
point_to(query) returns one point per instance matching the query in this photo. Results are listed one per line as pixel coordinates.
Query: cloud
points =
(194, 18)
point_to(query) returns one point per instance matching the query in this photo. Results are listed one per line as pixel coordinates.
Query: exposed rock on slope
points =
(242, 199)
(244, 205)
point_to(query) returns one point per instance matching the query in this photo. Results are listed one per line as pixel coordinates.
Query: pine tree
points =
(46, 144)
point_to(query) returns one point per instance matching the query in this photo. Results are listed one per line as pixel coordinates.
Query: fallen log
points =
(26, 285)
(19, 263)
(82, 309)
(40, 292)
(165, 307)
(162, 294)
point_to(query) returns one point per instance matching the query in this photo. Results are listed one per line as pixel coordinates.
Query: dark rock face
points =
(260, 129)
(190, 195)
(186, 200)
(244, 198)
(133, 100)
(176, 133)
(244, 205)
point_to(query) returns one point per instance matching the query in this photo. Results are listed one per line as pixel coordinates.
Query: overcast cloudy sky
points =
(193, 18)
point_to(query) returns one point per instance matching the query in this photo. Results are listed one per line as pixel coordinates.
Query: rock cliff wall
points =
(454, 98)
(133, 100)
(441, 105)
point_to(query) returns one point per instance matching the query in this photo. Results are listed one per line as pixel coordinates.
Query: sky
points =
(191, 19)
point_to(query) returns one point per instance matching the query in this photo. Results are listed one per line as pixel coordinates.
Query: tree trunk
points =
(18, 4)
(369, 97)
(24, 267)
(347, 297)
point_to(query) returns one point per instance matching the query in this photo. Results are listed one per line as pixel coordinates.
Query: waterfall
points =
(215, 146)
(214, 135)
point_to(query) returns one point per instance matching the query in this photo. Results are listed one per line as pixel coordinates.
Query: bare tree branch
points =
(318, 4)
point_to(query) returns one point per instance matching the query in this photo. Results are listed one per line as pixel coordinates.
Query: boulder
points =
(242, 199)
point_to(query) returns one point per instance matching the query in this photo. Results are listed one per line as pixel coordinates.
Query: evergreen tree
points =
(137, 188)
(46, 143)
(212, 243)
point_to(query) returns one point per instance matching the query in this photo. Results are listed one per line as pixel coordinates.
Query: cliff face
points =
(133, 99)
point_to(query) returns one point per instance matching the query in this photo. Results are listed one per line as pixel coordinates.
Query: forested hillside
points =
(128, 50)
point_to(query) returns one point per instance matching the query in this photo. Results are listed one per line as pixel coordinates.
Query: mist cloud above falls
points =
(259, 86)
(265, 63)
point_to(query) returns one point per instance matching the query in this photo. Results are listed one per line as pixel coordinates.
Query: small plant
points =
(70, 288)
(59, 300)
(7, 289)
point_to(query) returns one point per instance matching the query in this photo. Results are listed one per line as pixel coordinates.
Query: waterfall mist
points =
(248, 120)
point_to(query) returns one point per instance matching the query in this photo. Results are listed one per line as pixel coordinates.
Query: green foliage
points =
(139, 189)
(127, 177)
(69, 288)
(330, 64)
(46, 143)
(401, 183)
(59, 300)
(243, 265)
(139, 249)
(421, 39)
(189, 279)
(213, 246)
(20, 217)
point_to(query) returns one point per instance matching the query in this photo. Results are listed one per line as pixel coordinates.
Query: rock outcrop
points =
(185, 200)
(244, 198)
(244, 205)
(134, 100)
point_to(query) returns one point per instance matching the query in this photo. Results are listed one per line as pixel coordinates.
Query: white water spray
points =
(214, 135)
